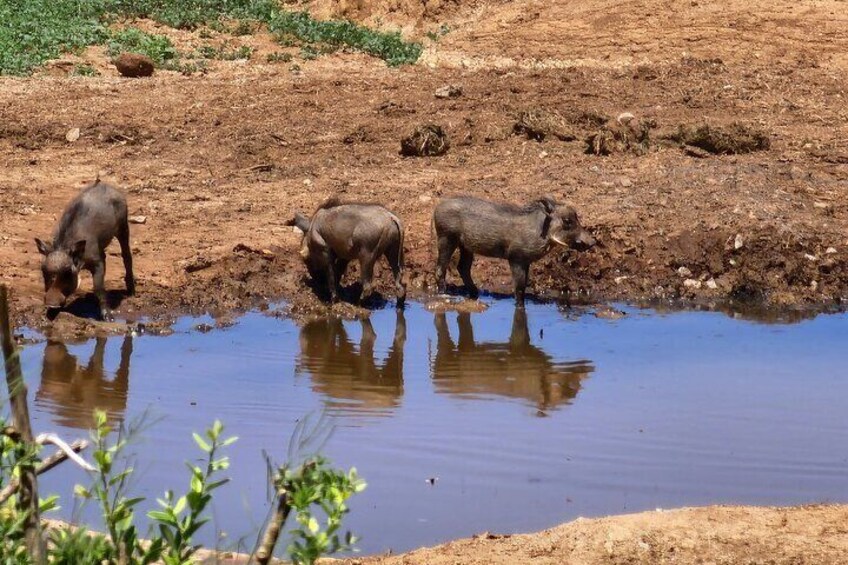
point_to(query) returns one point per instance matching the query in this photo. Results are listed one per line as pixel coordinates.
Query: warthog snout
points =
(584, 240)
(54, 299)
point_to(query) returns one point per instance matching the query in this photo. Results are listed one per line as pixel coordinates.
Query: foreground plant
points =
(311, 485)
(180, 519)
(109, 490)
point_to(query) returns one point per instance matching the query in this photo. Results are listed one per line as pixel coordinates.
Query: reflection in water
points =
(348, 375)
(72, 392)
(516, 369)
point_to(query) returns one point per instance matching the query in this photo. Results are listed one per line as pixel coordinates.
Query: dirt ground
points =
(731, 535)
(217, 162)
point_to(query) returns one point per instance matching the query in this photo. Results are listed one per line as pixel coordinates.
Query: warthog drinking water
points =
(520, 235)
(89, 223)
(340, 232)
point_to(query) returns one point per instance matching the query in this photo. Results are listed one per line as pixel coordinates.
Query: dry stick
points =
(47, 464)
(272, 531)
(28, 495)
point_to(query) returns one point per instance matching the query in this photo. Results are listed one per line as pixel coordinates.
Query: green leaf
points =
(180, 505)
(201, 443)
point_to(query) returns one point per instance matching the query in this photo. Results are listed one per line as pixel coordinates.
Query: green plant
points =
(278, 57)
(315, 484)
(223, 53)
(71, 546)
(180, 519)
(133, 40)
(109, 490)
(388, 46)
(85, 70)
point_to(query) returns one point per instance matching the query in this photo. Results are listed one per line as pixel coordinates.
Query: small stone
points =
(684, 272)
(72, 135)
(733, 262)
(424, 198)
(809, 257)
(711, 284)
(830, 251)
(307, 182)
(621, 279)
(692, 283)
(137, 219)
(625, 118)
(448, 91)
(625, 182)
(134, 65)
(738, 242)
(814, 285)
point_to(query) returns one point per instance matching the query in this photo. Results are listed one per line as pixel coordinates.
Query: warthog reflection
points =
(516, 369)
(348, 375)
(72, 392)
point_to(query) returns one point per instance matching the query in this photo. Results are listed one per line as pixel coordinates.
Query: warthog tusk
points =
(558, 241)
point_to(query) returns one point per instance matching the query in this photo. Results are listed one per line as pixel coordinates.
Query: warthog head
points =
(60, 269)
(563, 226)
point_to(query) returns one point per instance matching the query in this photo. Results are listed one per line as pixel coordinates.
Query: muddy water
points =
(522, 420)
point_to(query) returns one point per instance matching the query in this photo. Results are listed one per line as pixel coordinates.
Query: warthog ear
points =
(548, 204)
(43, 248)
(300, 221)
(77, 251)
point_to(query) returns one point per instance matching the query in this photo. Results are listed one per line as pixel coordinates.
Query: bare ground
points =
(716, 535)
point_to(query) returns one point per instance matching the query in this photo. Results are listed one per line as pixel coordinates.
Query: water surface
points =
(505, 421)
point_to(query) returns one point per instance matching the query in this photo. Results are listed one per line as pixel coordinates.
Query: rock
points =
(72, 135)
(625, 182)
(137, 219)
(625, 118)
(621, 279)
(830, 251)
(425, 198)
(449, 91)
(684, 272)
(134, 65)
(809, 257)
(738, 242)
(692, 283)
(711, 284)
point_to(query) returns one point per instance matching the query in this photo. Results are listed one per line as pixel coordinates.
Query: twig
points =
(28, 499)
(46, 464)
(272, 531)
(69, 451)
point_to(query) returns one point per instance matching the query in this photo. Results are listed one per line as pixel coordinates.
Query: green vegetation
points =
(224, 53)
(387, 46)
(35, 31)
(312, 489)
(85, 70)
(133, 40)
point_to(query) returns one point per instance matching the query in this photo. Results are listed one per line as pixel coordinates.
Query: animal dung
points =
(539, 123)
(426, 141)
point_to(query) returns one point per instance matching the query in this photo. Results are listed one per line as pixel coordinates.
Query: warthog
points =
(340, 232)
(520, 235)
(87, 226)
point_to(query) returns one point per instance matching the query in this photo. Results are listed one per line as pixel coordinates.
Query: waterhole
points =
(503, 421)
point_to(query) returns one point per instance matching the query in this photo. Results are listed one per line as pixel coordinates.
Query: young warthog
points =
(340, 232)
(89, 223)
(520, 235)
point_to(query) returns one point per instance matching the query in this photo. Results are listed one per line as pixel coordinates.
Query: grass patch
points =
(387, 46)
(35, 31)
(85, 70)
(133, 40)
